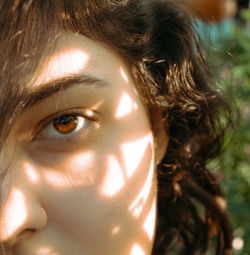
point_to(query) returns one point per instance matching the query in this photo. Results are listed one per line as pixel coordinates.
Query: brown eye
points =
(68, 125)
(65, 124)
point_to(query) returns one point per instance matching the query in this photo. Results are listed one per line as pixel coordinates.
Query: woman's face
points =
(80, 160)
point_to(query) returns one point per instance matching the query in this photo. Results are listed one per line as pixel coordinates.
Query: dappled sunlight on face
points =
(45, 251)
(95, 183)
(31, 173)
(123, 74)
(149, 223)
(137, 250)
(119, 172)
(67, 62)
(116, 230)
(125, 107)
(114, 179)
(14, 214)
(137, 205)
(134, 151)
(77, 177)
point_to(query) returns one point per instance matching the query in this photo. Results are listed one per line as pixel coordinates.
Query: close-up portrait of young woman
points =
(108, 119)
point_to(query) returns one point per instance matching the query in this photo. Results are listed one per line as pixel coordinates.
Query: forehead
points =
(75, 54)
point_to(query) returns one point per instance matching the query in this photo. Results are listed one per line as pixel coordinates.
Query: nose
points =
(21, 215)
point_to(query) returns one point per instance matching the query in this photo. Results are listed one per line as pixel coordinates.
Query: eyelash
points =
(85, 120)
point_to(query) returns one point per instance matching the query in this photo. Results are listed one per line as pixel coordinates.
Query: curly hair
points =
(159, 43)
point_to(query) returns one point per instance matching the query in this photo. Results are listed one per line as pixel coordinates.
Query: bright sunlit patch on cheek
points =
(45, 251)
(133, 153)
(114, 180)
(137, 205)
(65, 63)
(116, 230)
(125, 107)
(31, 173)
(149, 224)
(137, 250)
(76, 172)
(124, 75)
(81, 160)
(14, 214)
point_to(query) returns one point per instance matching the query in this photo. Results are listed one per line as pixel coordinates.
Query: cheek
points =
(109, 194)
(127, 162)
(77, 170)
(120, 170)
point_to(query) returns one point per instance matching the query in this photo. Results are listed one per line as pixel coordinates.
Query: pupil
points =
(65, 124)
(64, 120)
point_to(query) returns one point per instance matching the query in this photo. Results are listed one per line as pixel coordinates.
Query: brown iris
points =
(65, 124)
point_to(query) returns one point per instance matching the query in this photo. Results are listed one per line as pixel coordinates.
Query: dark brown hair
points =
(159, 43)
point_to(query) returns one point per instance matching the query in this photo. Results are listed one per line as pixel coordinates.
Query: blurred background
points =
(224, 26)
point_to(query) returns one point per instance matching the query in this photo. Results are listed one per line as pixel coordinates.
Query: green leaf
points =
(245, 14)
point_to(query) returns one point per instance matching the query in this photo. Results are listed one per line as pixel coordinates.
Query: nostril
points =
(31, 230)
(26, 232)
(24, 235)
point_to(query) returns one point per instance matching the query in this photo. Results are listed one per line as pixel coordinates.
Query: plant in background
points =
(231, 57)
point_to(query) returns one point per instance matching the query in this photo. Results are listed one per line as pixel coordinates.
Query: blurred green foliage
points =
(231, 57)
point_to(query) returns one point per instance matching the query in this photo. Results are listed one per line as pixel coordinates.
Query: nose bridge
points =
(20, 208)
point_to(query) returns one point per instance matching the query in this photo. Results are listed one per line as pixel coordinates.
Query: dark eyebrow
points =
(47, 89)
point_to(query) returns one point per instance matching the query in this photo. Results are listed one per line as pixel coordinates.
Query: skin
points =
(93, 189)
